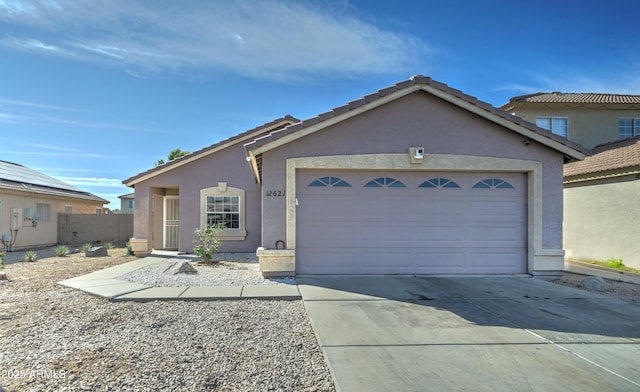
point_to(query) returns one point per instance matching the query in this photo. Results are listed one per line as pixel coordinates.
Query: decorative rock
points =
(594, 283)
(96, 251)
(3, 275)
(182, 267)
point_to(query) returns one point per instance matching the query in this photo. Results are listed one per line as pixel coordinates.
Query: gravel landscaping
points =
(59, 339)
(231, 270)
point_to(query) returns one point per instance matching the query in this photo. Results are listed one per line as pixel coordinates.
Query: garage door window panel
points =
(384, 182)
(492, 183)
(439, 183)
(330, 182)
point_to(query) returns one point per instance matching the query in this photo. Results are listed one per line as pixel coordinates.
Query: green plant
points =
(30, 256)
(129, 249)
(85, 247)
(207, 242)
(1, 260)
(61, 250)
(614, 263)
(109, 245)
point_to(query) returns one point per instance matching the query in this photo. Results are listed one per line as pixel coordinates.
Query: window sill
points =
(233, 235)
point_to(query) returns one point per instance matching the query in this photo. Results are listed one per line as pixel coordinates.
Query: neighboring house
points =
(414, 178)
(601, 206)
(127, 203)
(585, 118)
(30, 202)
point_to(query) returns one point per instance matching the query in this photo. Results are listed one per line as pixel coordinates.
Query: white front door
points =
(171, 232)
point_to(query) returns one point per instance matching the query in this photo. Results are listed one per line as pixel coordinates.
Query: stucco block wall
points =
(418, 119)
(45, 233)
(587, 126)
(228, 166)
(77, 229)
(601, 221)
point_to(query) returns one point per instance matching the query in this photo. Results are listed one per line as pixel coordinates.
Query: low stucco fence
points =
(76, 229)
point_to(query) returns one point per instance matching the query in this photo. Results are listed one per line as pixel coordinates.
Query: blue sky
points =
(95, 91)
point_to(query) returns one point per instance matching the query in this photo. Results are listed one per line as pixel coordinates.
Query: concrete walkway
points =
(104, 283)
(472, 334)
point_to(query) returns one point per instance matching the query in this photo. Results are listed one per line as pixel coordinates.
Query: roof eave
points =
(132, 181)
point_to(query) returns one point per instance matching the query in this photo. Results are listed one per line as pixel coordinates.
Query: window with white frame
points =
(43, 212)
(557, 125)
(224, 204)
(628, 127)
(68, 209)
(224, 210)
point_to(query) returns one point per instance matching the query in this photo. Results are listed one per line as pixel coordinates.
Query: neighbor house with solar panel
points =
(30, 202)
(601, 208)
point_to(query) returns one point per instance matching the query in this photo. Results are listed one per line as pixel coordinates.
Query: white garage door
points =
(371, 222)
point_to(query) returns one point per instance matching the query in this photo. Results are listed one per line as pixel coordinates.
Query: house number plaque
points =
(275, 193)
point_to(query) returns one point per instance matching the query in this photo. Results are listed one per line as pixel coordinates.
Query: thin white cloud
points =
(51, 147)
(623, 82)
(57, 154)
(15, 102)
(84, 182)
(266, 39)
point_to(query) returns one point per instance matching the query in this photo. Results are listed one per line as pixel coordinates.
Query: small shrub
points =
(85, 247)
(207, 242)
(61, 250)
(614, 263)
(30, 256)
(109, 245)
(1, 260)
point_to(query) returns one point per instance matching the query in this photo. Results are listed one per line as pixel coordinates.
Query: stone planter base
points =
(277, 262)
(139, 246)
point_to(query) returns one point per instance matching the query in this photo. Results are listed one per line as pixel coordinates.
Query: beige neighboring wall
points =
(586, 125)
(601, 220)
(45, 232)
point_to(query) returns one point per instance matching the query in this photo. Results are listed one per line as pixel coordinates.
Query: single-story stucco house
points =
(416, 178)
(601, 207)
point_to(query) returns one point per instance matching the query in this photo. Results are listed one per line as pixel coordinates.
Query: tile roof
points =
(586, 98)
(413, 81)
(265, 128)
(617, 155)
(17, 177)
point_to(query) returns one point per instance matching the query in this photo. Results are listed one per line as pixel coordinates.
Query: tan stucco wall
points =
(601, 221)
(588, 126)
(45, 233)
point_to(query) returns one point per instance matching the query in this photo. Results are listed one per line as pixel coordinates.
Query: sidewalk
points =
(104, 283)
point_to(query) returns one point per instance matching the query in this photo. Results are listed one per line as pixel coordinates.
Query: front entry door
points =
(171, 231)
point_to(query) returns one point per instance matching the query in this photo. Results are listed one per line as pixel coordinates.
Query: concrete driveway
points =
(472, 334)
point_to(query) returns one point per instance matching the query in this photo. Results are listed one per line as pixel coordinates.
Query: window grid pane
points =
(225, 210)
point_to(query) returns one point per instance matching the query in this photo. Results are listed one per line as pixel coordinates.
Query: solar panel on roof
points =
(17, 173)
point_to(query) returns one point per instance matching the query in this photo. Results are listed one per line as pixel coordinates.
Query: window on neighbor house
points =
(130, 203)
(43, 212)
(98, 211)
(68, 209)
(557, 125)
(628, 127)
